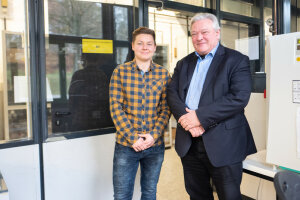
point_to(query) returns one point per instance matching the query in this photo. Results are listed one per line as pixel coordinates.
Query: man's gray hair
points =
(201, 16)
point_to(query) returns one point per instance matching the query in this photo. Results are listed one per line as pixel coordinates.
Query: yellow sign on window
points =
(97, 46)
(4, 3)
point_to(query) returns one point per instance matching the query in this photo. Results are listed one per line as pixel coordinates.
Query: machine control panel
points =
(297, 55)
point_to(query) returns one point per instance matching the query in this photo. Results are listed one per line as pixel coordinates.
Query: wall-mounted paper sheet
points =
(21, 90)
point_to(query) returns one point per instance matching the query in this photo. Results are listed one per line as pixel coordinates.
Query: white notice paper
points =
(296, 91)
(21, 90)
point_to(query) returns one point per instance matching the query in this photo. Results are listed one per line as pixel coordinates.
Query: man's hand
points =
(148, 140)
(144, 142)
(139, 145)
(197, 131)
(189, 120)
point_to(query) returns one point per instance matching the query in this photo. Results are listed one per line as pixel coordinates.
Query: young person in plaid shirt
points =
(140, 113)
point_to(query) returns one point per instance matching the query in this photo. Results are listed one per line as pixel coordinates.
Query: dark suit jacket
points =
(226, 92)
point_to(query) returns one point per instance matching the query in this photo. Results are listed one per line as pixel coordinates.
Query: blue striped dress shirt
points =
(197, 82)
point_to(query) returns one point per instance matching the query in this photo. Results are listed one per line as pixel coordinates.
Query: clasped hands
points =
(191, 123)
(144, 142)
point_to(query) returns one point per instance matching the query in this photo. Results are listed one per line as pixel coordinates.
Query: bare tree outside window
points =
(76, 18)
(121, 23)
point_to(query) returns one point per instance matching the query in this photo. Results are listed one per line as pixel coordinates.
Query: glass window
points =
(201, 3)
(78, 18)
(119, 2)
(15, 103)
(244, 38)
(295, 15)
(248, 8)
(267, 15)
(14, 65)
(52, 70)
(121, 23)
(121, 56)
(82, 51)
(298, 18)
(161, 55)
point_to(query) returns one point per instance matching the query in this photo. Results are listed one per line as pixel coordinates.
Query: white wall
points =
(254, 187)
(257, 188)
(21, 172)
(256, 115)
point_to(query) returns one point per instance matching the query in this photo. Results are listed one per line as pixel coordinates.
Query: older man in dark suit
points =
(207, 95)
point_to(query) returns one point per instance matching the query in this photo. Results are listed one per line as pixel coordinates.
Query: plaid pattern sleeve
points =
(118, 115)
(138, 102)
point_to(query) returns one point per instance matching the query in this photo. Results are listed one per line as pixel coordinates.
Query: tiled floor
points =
(171, 182)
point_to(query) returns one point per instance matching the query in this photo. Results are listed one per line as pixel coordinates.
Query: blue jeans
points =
(126, 163)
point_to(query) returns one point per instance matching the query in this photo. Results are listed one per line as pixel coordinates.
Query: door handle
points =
(61, 114)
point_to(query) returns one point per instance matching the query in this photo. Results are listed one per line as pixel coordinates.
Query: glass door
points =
(84, 42)
(173, 43)
(172, 36)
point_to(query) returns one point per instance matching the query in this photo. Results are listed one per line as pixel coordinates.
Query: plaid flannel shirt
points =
(138, 103)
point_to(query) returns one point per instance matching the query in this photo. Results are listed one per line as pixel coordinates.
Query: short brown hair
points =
(143, 30)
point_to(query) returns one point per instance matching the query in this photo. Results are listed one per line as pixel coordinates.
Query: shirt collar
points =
(212, 52)
(135, 66)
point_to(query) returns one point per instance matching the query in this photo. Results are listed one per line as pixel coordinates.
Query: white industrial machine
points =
(283, 95)
(74, 169)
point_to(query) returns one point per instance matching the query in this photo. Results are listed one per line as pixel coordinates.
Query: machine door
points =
(85, 41)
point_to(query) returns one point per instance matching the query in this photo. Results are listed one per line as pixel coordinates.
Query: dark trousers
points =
(198, 173)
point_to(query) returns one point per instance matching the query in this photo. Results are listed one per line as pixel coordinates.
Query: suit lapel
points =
(191, 68)
(215, 64)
